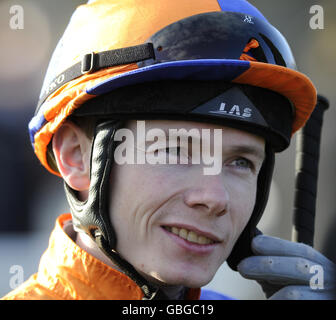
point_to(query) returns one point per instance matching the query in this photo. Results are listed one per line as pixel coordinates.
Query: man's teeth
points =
(189, 235)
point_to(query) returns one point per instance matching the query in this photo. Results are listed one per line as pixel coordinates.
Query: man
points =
(153, 217)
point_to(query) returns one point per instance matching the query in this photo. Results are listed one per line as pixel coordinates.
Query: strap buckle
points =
(87, 63)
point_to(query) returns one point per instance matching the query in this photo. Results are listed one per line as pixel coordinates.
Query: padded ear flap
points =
(242, 248)
(92, 216)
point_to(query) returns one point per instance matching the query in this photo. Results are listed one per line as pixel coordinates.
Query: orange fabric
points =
(105, 25)
(292, 84)
(246, 57)
(251, 45)
(64, 101)
(108, 25)
(67, 272)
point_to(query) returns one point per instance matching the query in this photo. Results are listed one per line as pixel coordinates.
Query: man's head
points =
(212, 63)
(156, 207)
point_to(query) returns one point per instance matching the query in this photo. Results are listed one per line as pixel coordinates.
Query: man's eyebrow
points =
(248, 149)
(256, 151)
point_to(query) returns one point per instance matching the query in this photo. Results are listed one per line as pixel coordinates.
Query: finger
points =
(277, 270)
(302, 293)
(272, 246)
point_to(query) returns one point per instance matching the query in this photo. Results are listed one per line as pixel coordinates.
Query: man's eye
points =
(242, 163)
(172, 151)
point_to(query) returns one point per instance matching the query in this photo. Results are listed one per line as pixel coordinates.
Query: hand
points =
(288, 270)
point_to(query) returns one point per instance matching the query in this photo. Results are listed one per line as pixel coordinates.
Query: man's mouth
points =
(189, 235)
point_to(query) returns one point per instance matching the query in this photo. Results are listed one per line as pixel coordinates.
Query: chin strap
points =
(150, 292)
(242, 249)
(92, 216)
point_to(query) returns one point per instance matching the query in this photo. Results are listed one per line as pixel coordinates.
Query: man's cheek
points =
(242, 213)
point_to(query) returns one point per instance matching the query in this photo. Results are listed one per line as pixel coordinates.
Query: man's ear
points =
(72, 150)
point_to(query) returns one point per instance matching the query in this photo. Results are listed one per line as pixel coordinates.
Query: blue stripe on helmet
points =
(35, 125)
(206, 69)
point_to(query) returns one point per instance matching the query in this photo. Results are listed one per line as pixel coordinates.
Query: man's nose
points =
(210, 195)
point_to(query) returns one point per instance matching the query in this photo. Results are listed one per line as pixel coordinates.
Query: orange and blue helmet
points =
(114, 44)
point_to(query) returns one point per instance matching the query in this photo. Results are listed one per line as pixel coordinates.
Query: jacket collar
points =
(72, 273)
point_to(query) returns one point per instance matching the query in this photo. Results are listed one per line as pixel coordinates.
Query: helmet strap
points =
(242, 248)
(92, 215)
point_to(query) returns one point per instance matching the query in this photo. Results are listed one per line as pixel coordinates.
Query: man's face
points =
(174, 223)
